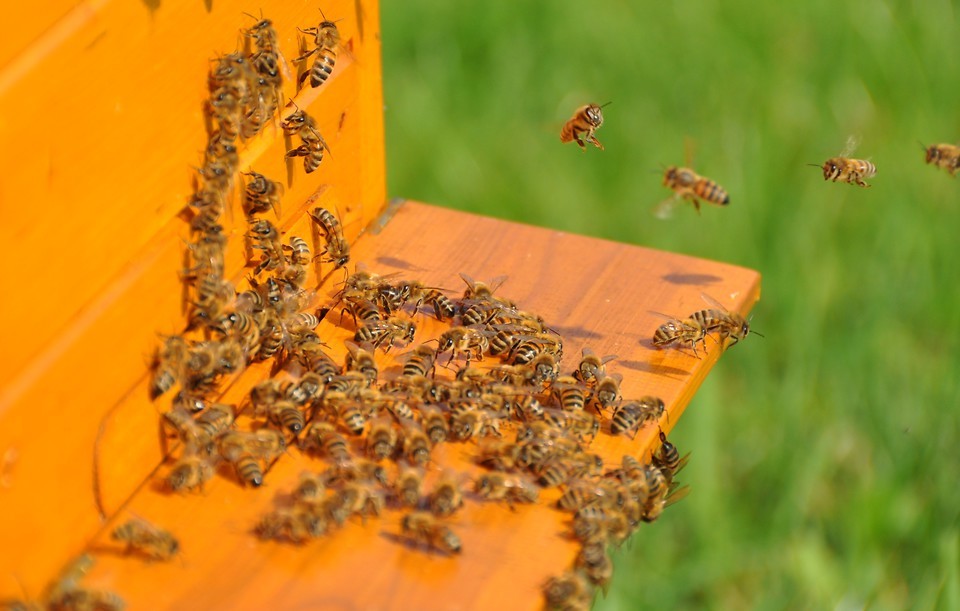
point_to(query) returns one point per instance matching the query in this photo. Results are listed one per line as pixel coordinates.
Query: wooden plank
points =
(595, 293)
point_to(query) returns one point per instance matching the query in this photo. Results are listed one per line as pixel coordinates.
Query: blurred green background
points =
(825, 457)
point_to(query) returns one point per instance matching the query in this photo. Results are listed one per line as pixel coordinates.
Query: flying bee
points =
(311, 149)
(408, 486)
(337, 248)
(146, 539)
(680, 333)
(586, 121)
(326, 40)
(422, 527)
(731, 326)
(844, 169)
(261, 194)
(632, 415)
(690, 186)
(591, 367)
(168, 364)
(946, 156)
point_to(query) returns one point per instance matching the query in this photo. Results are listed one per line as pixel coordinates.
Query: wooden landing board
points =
(593, 292)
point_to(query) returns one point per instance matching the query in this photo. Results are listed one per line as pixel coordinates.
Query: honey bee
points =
(293, 524)
(350, 413)
(446, 496)
(443, 308)
(267, 239)
(168, 364)
(262, 194)
(568, 592)
(189, 473)
(323, 438)
(668, 459)
(75, 598)
(631, 416)
(607, 393)
(583, 493)
(362, 498)
(264, 443)
(731, 326)
(416, 444)
(481, 291)
(680, 333)
(595, 562)
(422, 527)
(326, 40)
(946, 156)
(420, 362)
(591, 367)
(386, 332)
(285, 414)
(690, 186)
(382, 439)
(407, 487)
(474, 423)
(337, 248)
(464, 340)
(360, 359)
(844, 169)
(435, 424)
(298, 123)
(146, 539)
(570, 394)
(312, 148)
(593, 522)
(500, 486)
(586, 121)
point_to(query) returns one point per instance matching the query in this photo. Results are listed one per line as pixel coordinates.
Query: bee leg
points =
(596, 142)
(583, 147)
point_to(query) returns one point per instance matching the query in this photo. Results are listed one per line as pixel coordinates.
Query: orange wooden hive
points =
(101, 120)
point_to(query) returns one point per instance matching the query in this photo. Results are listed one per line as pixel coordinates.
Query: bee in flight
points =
(582, 126)
(845, 169)
(946, 156)
(690, 186)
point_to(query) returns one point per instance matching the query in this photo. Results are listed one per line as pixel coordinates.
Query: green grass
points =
(825, 456)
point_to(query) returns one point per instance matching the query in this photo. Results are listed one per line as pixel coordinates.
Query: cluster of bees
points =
(689, 186)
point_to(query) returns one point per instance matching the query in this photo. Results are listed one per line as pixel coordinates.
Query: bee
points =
(581, 424)
(668, 459)
(586, 121)
(570, 394)
(264, 443)
(267, 239)
(443, 308)
(591, 367)
(446, 496)
(361, 360)
(731, 326)
(386, 332)
(349, 412)
(420, 362)
(474, 423)
(631, 416)
(435, 424)
(362, 498)
(690, 186)
(326, 40)
(595, 562)
(583, 493)
(459, 340)
(216, 419)
(382, 439)
(323, 438)
(146, 539)
(680, 333)
(424, 528)
(407, 487)
(568, 592)
(298, 123)
(262, 194)
(607, 393)
(271, 337)
(168, 364)
(946, 156)
(74, 598)
(481, 291)
(844, 169)
(293, 524)
(189, 473)
(500, 486)
(311, 149)
(416, 444)
(592, 522)
(285, 414)
(337, 248)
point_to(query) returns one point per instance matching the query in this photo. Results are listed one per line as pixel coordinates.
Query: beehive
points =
(103, 157)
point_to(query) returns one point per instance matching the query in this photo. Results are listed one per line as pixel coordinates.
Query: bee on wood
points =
(946, 156)
(262, 194)
(500, 486)
(732, 327)
(446, 496)
(147, 539)
(326, 41)
(680, 333)
(435, 424)
(583, 125)
(298, 123)
(568, 592)
(667, 458)
(464, 340)
(312, 148)
(168, 364)
(423, 528)
(382, 439)
(607, 393)
(406, 489)
(629, 417)
(323, 439)
(190, 472)
(591, 367)
(386, 332)
(844, 169)
(337, 248)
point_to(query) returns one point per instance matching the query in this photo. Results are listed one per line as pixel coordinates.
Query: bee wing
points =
(676, 495)
(852, 143)
(667, 317)
(664, 210)
(713, 302)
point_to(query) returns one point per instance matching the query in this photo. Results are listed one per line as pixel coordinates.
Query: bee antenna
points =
(607, 104)
(757, 334)
(814, 165)
(923, 147)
